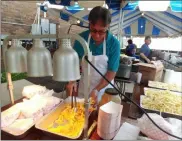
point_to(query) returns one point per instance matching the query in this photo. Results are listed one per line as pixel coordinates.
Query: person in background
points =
(131, 48)
(105, 49)
(145, 50)
(129, 43)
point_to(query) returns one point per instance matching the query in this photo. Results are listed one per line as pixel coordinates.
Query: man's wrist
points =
(148, 60)
(96, 91)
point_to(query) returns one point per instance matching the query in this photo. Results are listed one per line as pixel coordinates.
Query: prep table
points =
(129, 110)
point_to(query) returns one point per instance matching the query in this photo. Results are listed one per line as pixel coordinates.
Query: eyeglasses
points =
(100, 32)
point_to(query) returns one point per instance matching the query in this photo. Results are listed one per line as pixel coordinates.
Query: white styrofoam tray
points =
(19, 133)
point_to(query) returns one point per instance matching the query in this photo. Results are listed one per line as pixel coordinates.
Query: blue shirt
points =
(112, 49)
(145, 50)
(129, 50)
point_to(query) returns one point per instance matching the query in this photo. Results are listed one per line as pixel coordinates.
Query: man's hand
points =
(93, 94)
(148, 61)
(145, 58)
(103, 83)
(71, 87)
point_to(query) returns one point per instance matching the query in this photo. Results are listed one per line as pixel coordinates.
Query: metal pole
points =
(5, 22)
(76, 17)
(121, 28)
(119, 23)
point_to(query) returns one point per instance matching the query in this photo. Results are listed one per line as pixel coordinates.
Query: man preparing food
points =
(105, 50)
(145, 50)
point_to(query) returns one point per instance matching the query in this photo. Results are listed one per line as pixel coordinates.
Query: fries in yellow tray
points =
(70, 123)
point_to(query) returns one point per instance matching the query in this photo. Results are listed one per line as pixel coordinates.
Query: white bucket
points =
(173, 77)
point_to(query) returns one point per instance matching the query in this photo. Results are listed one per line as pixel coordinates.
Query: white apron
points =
(101, 63)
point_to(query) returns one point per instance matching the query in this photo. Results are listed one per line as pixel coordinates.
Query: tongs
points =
(73, 104)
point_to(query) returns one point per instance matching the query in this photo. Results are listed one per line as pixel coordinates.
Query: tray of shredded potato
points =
(154, 91)
(165, 86)
(163, 101)
(64, 121)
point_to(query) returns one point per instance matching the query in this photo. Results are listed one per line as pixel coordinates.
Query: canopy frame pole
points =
(121, 27)
(119, 24)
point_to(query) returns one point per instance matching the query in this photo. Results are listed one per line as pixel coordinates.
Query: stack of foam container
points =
(109, 120)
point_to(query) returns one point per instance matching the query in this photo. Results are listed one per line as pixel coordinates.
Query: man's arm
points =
(144, 50)
(145, 58)
(103, 83)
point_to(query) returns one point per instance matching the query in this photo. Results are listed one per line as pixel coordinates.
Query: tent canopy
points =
(135, 22)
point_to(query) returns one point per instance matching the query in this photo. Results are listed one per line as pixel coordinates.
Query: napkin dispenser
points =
(111, 113)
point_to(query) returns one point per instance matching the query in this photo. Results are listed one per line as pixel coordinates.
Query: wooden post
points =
(10, 86)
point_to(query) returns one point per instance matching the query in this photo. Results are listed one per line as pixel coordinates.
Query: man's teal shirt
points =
(112, 49)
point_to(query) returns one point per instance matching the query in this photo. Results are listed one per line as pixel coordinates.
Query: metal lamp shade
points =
(16, 58)
(66, 63)
(39, 60)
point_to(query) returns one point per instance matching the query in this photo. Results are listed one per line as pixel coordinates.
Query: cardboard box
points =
(151, 72)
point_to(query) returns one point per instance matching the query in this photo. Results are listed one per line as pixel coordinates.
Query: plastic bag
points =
(52, 102)
(32, 90)
(39, 105)
(46, 103)
(47, 93)
(32, 109)
(149, 129)
(48, 110)
(10, 115)
(177, 126)
(38, 115)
